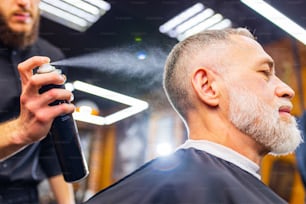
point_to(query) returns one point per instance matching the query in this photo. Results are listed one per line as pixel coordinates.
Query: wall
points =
(281, 173)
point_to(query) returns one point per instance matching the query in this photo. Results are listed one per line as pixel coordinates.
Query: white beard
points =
(263, 123)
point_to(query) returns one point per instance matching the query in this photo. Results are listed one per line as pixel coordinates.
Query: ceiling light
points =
(277, 18)
(193, 20)
(87, 107)
(201, 26)
(76, 14)
(172, 23)
(141, 55)
(135, 105)
(225, 23)
(100, 4)
(83, 5)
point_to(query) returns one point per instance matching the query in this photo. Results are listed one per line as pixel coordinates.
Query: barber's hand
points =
(36, 116)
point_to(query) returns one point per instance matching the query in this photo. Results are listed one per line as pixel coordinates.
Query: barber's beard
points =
(263, 123)
(17, 40)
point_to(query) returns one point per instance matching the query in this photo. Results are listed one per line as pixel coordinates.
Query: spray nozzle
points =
(46, 68)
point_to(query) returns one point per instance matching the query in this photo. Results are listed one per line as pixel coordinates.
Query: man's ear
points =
(205, 86)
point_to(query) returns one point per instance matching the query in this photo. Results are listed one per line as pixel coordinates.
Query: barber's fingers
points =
(55, 94)
(40, 80)
(34, 102)
(35, 82)
(39, 106)
(46, 114)
(26, 67)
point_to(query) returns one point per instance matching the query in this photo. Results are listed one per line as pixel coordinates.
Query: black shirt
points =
(38, 160)
(189, 176)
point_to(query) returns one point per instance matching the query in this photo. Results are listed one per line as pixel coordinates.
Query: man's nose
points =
(284, 90)
(24, 3)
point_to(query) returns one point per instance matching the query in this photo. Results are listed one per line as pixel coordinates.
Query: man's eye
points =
(266, 72)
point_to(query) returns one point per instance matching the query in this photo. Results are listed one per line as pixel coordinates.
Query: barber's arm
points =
(63, 192)
(36, 115)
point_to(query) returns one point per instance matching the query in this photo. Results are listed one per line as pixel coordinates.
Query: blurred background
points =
(115, 51)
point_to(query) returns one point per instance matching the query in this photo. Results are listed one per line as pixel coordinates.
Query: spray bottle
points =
(66, 137)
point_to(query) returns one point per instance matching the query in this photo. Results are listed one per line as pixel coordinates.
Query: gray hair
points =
(176, 82)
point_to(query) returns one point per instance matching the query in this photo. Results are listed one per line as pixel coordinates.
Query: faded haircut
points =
(175, 80)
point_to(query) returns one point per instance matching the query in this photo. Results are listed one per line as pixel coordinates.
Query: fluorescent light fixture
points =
(135, 105)
(225, 23)
(66, 7)
(193, 20)
(201, 26)
(83, 5)
(100, 4)
(87, 107)
(172, 23)
(276, 17)
(86, 110)
(76, 14)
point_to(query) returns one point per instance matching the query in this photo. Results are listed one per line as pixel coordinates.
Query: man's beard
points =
(17, 40)
(263, 123)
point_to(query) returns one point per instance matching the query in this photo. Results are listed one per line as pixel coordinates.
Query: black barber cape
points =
(301, 150)
(188, 176)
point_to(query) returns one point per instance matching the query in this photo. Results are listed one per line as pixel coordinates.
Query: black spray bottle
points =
(66, 138)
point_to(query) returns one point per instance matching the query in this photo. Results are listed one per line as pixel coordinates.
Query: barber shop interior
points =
(114, 59)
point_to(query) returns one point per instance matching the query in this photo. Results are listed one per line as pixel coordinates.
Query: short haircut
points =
(175, 79)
